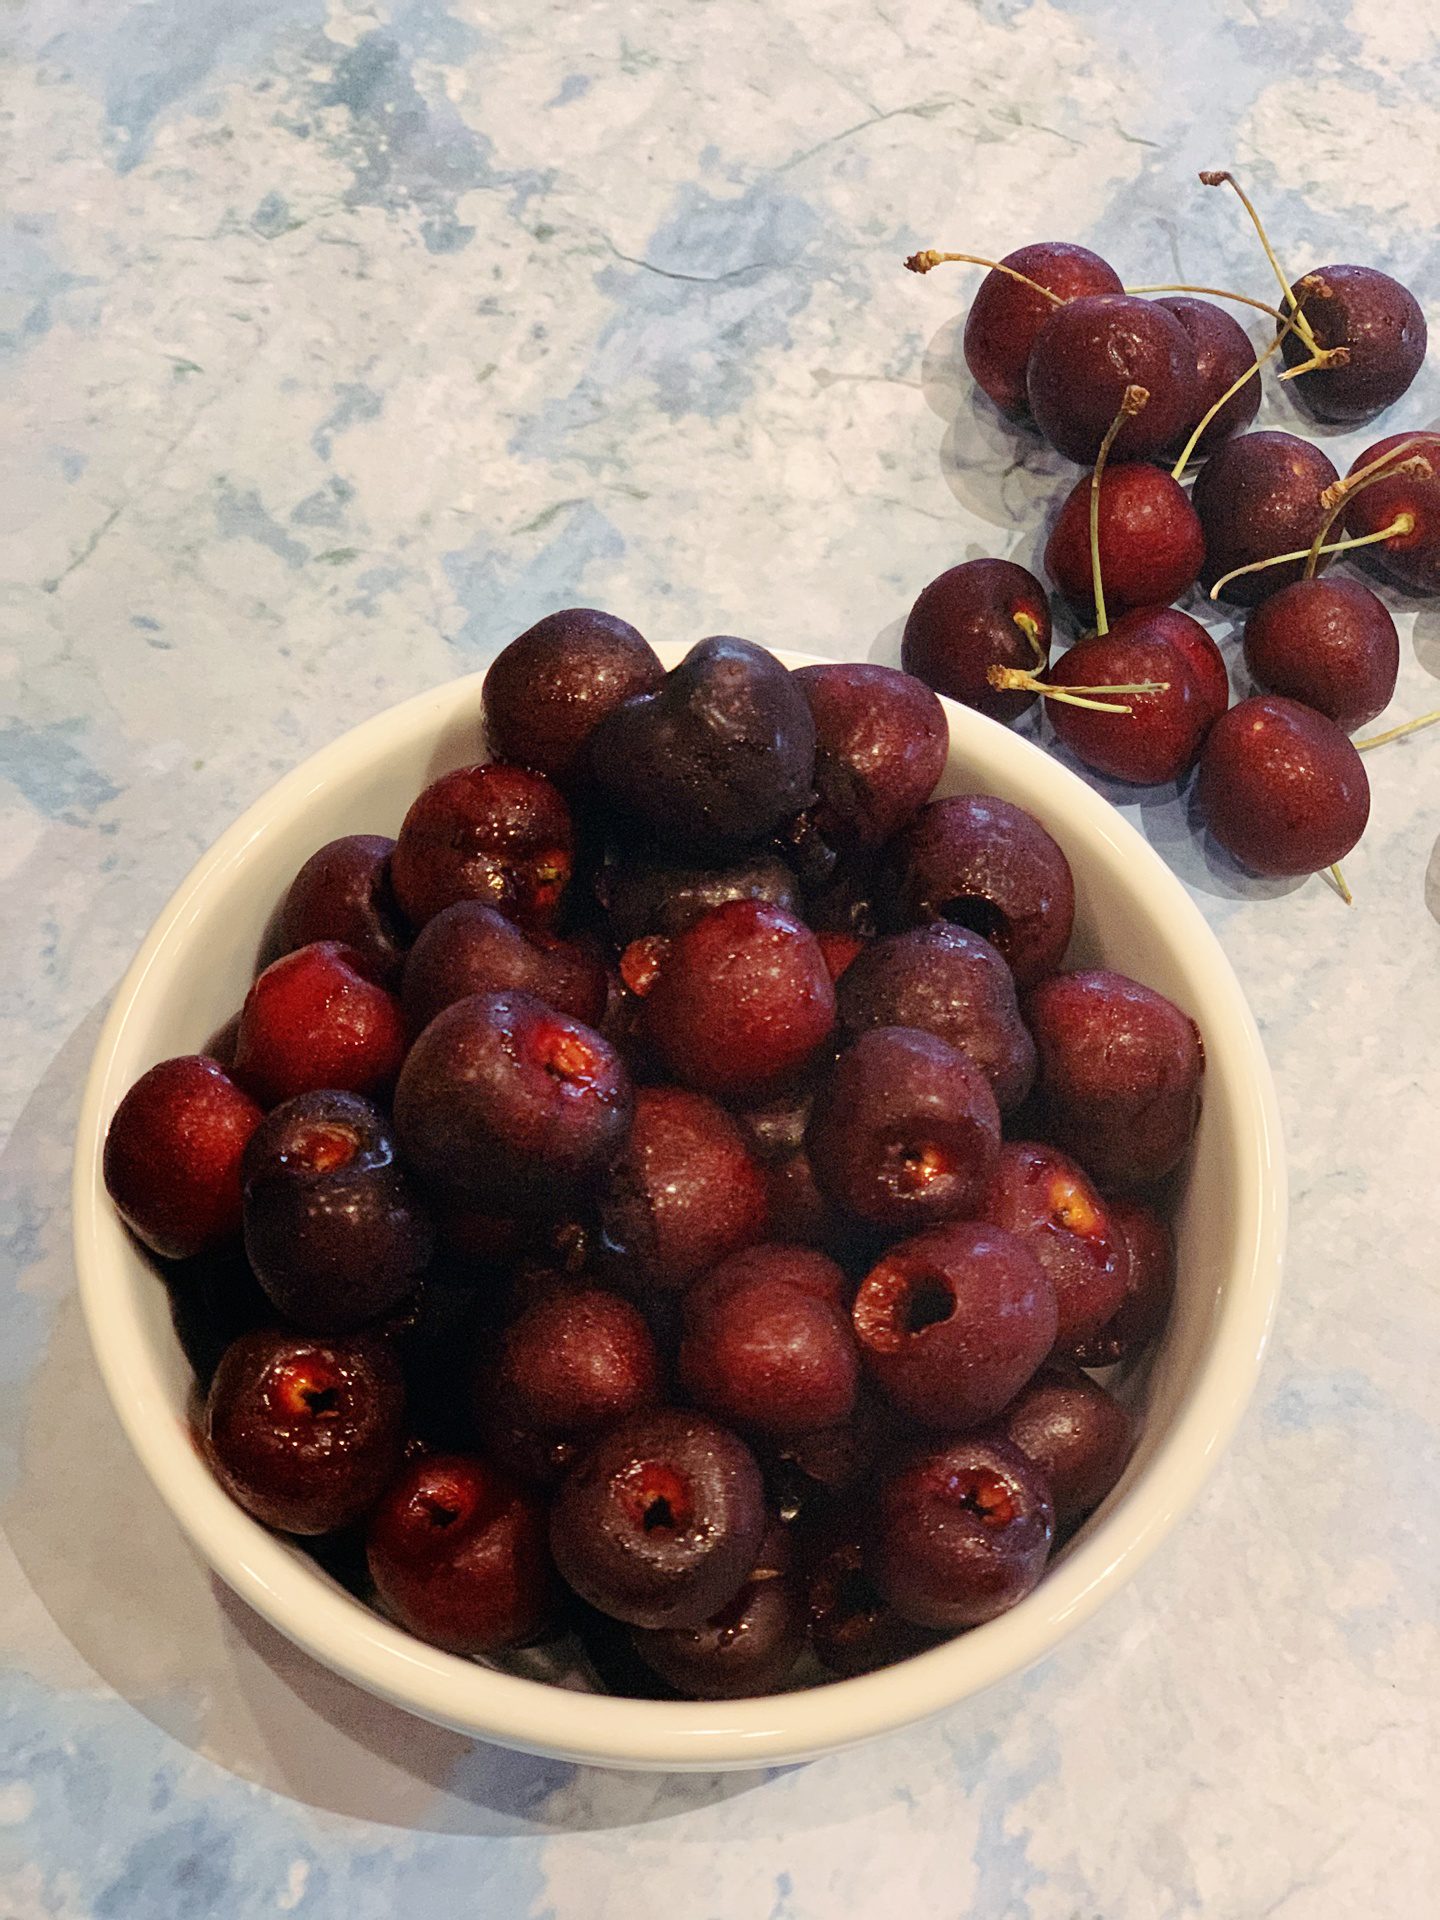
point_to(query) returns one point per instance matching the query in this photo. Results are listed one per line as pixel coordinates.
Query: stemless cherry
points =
(1223, 351)
(953, 1322)
(1085, 356)
(905, 1130)
(1281, 788)
(661, 1522)
(1151, 543)
(984, 864)
(853, 1629)
(1119, 1073)
(1330, 644)
(172, 1156)
(546, 693)
(1149, 1287)
(981, 614)
(494, 833)
(1259, 496)
(949, 982)
(575, 1361)
(343, 893)
(1411, 559)
(748, 1647)
(1045, 1200)
(683, 1192)
(1076, 1434)
(960, 1532)
(1005, 316)
(459, 1556)
(880, 744)
(315, 1019)
(1161, 734)
(1381, 326)
(470, 948)
(738, 1002)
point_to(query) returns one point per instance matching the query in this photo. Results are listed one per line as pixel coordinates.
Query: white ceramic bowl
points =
(192, 973)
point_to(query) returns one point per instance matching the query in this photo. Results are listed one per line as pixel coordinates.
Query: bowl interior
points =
(1132, 913)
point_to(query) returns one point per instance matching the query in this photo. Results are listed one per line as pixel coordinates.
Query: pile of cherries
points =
(671, 1195)
(1138, 388)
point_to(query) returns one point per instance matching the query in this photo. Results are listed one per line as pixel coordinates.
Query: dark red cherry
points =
(470, 948)
(852, 1628)
(1161, 735)
(643, 894)
(1046, 1201)
(1379, 323)
(305, 1433)
(1005, 316)
(1223, 351)
(1410, 558)
(1119, 1075)
(1258, 496)
(1085, 356)
(1151, 543)
(498, 834)
(172, 1156)
(981, 614)
(575, 1360)
(748, 1647)
(343, 893)
(952, 1323)
(881, 739)
(905, 1130)
(1149, 1286)
(458, 1555)
(960, 1532)
(982, 863)
(1076, 1434)
(661, 1522)
(1330, 644)
(546, 692)
(316, 1020)
(1281, 788)
(949, 982)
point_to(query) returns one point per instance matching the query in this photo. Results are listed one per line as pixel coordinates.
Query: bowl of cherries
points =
(741, 1202)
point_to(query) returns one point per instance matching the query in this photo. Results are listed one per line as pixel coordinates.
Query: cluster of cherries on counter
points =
(1138, 388)
(671, 1193)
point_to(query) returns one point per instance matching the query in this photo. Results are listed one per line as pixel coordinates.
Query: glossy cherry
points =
(905, 1130)
(1088, 352)
(547, 691)
(643, 894)
(471, 948)
(1149, 1287)
(575, 1360)
(172, 1156)
(1076, 1434)
(1151, 543)
(1411, 559)
(1046, 1200)
(343, 893)
(459, 1556)
(986, 864)
(952, 1323)
(981, 614)
(1223, 351)
(1120, 1068)
(1281, 788)
(1330, 644)
(1161, 734)
(1005, 316)
(498, 834)
(315, 1019)
(1381, 326)
(1259, 496)
(960, 1532)
(748, 1647)
(881, 740)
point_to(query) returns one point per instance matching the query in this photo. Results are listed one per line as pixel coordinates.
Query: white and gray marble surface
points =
(338, 342)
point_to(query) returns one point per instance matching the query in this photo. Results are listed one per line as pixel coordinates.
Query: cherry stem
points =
(1402, 523)
(1134, 400)
(1018, 680)
(1397, 733)
(1337, 497)
(1030, 627)
(1220, 178)
(1217, 293)
(931, 257)
(1288, 322)
(1338, 881)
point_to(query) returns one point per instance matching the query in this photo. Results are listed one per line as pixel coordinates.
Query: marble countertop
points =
(337, 343)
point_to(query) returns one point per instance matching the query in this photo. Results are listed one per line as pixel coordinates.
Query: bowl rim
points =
(535, 1715)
